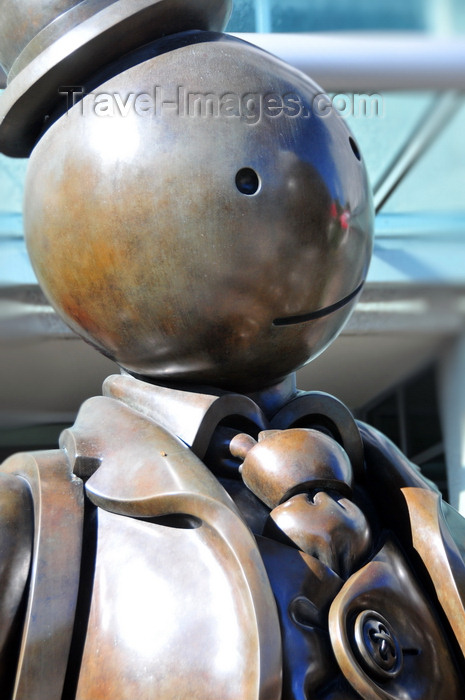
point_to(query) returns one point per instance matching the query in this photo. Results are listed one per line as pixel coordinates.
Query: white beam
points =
(371, 61)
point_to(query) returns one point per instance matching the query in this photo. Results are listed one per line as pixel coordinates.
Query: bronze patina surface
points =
(57, 514)
(386, 638)
(196, 212)
(47, 47)
(197, 617)
(181, 273)
(327, 526)
(16, 538)
(287, 462)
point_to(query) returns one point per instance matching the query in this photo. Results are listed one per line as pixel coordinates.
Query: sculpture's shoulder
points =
(181, 605)
(381, 451)
(133, 567)
(16, 523)
(41, 519)
(388, 476)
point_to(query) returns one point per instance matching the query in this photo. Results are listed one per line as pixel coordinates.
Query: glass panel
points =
(436, 183)
(381, 133)
(347, 15)
(435, 470)
(422, 416)
(43, 437)
(385, 418)
(243, 17)
(456, 525)
(440, 16)
(12, 174)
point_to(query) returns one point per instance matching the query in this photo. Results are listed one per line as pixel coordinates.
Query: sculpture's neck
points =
(273, 398)
(192, 414)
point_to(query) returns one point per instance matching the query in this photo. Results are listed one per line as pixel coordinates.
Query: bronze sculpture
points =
(205, 530)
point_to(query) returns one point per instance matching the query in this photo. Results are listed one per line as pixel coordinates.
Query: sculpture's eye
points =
(247, 181)
(355, 149)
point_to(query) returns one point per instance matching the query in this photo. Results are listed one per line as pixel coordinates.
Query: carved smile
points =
(319, 313)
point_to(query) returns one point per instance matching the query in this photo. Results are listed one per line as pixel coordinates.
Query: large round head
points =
(203, 216)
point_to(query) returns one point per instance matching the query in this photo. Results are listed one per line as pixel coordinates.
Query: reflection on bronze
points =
(169, 281)
(192, 215)
(187, 621)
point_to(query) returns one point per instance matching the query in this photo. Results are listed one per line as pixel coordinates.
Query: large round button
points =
(376, 645)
